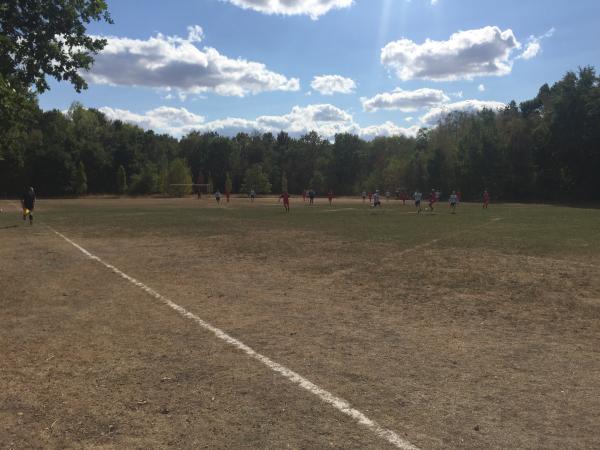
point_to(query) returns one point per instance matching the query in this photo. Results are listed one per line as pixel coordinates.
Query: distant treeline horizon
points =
(543, 149)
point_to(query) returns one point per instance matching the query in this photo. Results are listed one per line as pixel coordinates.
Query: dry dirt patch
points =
(454, 347)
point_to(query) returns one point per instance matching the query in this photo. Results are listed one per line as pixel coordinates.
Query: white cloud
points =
(165, 119)
(531, 50)
(172, 62)
(388, 129)
(195, 33)
(331, 84)
(439, 112)
(431, 2)
(534, 46)
(405, 101)
(465, 55)
(481, 88)
(312, 8)
(325, 119)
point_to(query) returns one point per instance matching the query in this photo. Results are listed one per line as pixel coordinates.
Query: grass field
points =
(474, 330)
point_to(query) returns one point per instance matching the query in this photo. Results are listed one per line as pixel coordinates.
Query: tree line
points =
(546, 149)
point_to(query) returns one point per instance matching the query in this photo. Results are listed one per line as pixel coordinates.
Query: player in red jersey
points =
(432, 199)
(403, 197)
(286, 201)
(486, 199)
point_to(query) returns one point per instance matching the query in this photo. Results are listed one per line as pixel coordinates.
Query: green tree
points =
(121, 181)
(179, 174)
(145, 182)
(48, 37)
(317, 182)
(163, 180)
(228, 183)
(256, 179)
(80, 183)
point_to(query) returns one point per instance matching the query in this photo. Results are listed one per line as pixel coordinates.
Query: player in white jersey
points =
(453, 202)
(376, 200)
(418, 197)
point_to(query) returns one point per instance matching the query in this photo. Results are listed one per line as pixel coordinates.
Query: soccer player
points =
(252, 195)
(403, 197)
(28, 203)
(311, 196)
(453, 201)
(364, 196)
(432, 199)
(286, 201)
(218, 197)
(486, 199)
(370, 198)
(304, 195)
(376, 200)
(330, 197)
(418, 196)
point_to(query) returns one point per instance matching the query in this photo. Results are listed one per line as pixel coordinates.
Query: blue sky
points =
(389, 65)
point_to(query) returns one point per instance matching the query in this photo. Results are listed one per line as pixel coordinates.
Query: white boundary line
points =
(338, 403)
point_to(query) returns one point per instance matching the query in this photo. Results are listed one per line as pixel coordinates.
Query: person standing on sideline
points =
(286, 201)
(330, 197)
(304, 195)
(218, 197)
(486, 199)
(453, 201)
(311, 196)
(364, 196)
(28, 203)
(418, 197)
(252, 195)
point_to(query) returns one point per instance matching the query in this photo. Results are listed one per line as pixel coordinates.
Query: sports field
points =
(474, 330)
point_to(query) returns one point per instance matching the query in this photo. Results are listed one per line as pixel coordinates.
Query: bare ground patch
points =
(454, 348)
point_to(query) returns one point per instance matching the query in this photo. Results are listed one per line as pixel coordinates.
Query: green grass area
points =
(524, 229)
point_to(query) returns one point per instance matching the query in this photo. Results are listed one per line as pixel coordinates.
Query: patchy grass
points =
(468, 330)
